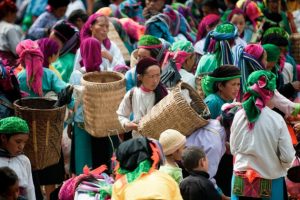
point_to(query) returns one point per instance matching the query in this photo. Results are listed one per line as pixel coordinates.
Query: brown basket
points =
(102, 94)
(46, 127)
(295, 46)
(174, 112)
(113, 35)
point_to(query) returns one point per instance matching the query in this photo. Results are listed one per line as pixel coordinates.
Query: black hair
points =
(77, 14)
(8, 178)
(7, 7)
(191, 157)
(222, 72)
(276, 39)
(58, 3)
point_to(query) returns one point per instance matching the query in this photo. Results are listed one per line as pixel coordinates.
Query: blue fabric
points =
(36, 7)
(43, 22)
(131, 79)
(277, 189)
(82, 149)
(214, 103)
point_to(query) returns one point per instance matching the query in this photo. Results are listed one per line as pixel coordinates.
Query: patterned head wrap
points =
(210, 21)
(11, 125)
(131, 9)
(273, 52)
(222, 73)
(278, 30)
(32, 58)
(136, 157)
(86, 31)
(216, 42)
(179, 51)
(261, 86)
(247, 59)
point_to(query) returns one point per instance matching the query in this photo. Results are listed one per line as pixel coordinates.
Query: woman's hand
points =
(131, 126)
(107, 55)
(297, 128)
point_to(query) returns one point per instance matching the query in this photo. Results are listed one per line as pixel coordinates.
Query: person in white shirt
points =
(260, 142)
(14, 133)
(139, 100)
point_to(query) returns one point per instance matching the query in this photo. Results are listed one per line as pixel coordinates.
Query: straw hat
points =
(171, 140)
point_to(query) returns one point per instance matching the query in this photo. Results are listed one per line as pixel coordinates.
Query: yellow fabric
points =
(55, 71)
(156, 185)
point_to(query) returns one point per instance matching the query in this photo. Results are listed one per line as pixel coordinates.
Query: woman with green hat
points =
(14, 133)
(221, 86)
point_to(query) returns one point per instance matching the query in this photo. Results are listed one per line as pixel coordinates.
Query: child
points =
(173, 143)
(13, 137)
(142, 98)
(197, 184)
(9, 185)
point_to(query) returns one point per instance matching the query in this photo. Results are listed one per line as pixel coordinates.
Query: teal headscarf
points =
(261, 86)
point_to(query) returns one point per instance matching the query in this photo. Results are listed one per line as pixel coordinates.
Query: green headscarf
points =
(11, 125)
(149, 40)
(182, 45)
(258, 95)
(278, 30)
(273, 52)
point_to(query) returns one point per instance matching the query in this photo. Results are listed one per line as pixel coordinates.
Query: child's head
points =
(148, 71)
(173, 143)
(78, 18)
(9, 184)
(238, 18)
(58, 8)
(13, 135)
(50, 49)
(194, 158)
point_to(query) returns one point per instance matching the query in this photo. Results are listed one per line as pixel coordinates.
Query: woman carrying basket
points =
(141, 99)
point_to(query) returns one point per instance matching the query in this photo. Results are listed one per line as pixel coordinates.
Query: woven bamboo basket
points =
(113, 35)
(295, 46)
(102, 94)
(46, 127)
(174, 112)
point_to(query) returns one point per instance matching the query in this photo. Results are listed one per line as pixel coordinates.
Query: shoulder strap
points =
(131, 95)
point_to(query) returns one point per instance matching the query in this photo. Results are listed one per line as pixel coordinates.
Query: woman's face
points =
(178, 153)
(150, 79)
(156, 5)
(15, 144)
(239, 21)
(230, 90)
(273, 6)
(100, 28)
(143, 53)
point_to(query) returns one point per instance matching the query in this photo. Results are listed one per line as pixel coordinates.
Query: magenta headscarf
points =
(49, 48)
(208, 20)
(255, 50)
(86, 31)
(31, 57)
(90, 50)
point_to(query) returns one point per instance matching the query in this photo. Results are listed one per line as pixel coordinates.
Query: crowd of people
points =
(237, 55)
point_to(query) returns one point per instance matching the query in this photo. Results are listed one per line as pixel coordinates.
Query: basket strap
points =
(7, 104)
(131, 96)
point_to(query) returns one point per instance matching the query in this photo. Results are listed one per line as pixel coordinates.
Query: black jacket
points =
(197, 187)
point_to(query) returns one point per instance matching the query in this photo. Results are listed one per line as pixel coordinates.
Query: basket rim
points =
(35, 109)
(120, 75)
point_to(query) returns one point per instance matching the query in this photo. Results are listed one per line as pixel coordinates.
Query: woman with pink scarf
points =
(34, 78)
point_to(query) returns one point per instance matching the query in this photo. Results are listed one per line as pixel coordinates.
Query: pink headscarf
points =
(256, 50)
(86, 31)
(208, 20)
(31, 57)
(90, 50)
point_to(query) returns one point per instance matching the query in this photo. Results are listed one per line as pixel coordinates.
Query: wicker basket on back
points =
(102, 94)
(46, 127)
(295, 46)
(174, 112)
